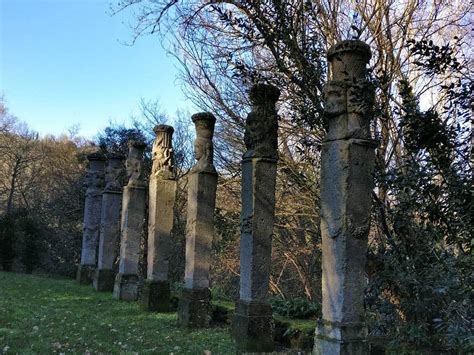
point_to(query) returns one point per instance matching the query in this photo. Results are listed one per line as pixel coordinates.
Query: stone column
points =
(253, 327)
(194, 303)
(92, 210)
(109, 240)
(132, 224)
(162, 193)
(346, 185)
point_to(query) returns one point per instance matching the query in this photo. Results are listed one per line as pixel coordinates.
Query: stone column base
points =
(126, 287)
(194, 309)
(104, 280)
(155, 296)
(85, 274)
(340, 339)
(253, 327)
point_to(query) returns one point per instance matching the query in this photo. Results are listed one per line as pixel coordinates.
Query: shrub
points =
(295, 307)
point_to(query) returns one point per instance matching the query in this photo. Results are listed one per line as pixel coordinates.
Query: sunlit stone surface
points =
(346, 185)
(132, 224)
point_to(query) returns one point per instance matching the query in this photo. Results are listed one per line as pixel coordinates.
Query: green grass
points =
(45, 315)
(303, 325)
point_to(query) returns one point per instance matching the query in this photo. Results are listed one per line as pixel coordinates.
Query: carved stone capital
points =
(162, 152)
(261, 125)
(355, 47)
(204, 123)
(203, 146)
(164, 128)
(348, 60)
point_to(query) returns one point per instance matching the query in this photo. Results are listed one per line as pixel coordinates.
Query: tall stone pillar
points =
(253, 327)
(346, 185)
(92, 211)
(194, 303)
(132, 224)
(109, 240)
(155, 295)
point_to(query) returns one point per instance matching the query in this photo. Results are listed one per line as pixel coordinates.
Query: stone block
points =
(257, 217)
(104, 280)
(132, 228)
(162, 194)
(85, 274)
(341, 339)
(155, 296)
(194, 309)
(109, 240)
(253, 327)
(126, 287)
(199, 228)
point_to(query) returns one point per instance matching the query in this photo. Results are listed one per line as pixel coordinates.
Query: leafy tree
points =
(115, 138)
(41, 197)
(225, 46)
(420, 292)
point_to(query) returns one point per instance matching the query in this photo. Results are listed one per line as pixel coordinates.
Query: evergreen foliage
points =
(420, 292)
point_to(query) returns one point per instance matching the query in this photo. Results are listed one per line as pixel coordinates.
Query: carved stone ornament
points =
(344, 97)
(203, 146)
(348, 60)
(114, 172)
(94, 178)
(261, 126)
(246, 225)
(162, 152)
(352, 100)
(134, 163)
(349, 97)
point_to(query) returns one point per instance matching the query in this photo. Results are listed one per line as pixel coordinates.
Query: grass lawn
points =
(44, 315)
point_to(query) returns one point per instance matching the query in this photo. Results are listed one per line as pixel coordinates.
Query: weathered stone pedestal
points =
(253, 327)
(194, 302)
(104, 280)
(194, 307)
(126, 286)
(253, 322)
(341, 338)
(85, 274)
(110, 224)
(155, 295)
(132, 225)
(346, 185)
(92, 212)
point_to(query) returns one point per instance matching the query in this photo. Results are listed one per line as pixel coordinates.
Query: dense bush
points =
(21, 239)
(295, 307)
(7, 239)
(420, 291)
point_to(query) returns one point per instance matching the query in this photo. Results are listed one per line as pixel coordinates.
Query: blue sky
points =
(63, 62)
